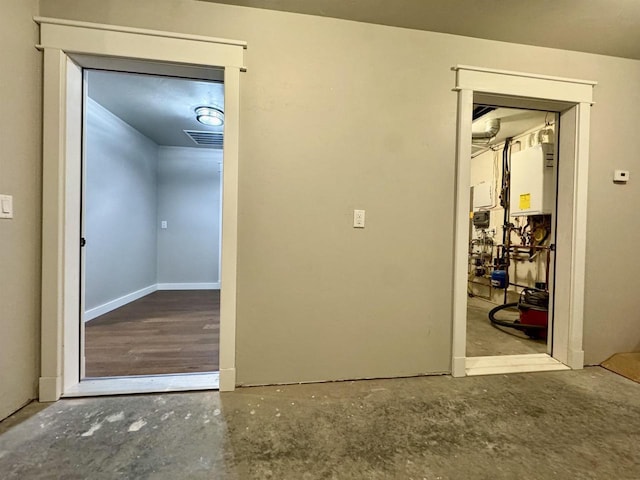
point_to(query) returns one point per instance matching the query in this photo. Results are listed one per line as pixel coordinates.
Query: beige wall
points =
(20, 176)
(337, 115)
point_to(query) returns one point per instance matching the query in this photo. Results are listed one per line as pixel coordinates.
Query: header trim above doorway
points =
(137, 43)
(138, 31)
(526, 85)
(522, 74)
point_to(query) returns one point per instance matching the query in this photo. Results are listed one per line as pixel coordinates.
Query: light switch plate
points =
(6, 206)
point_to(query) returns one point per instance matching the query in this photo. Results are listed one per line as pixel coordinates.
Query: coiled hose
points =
(511, 324)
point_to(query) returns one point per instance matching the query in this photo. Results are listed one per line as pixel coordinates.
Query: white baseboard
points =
(189, 286)
(118, 302)
(458, 367)
(49, 389)
(576, 359)
(227, 379)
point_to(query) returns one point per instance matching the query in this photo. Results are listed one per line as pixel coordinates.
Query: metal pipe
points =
(528, 247)
(525, 286)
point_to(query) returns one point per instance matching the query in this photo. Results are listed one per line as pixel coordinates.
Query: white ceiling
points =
(608, 27)
(158, 107)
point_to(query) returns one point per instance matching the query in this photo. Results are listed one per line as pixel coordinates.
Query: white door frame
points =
(573, 99)
(60, 40)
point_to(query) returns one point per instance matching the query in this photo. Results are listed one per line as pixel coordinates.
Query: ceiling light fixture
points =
(210, 116)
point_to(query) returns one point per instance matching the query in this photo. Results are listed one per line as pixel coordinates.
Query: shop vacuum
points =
(533, 310)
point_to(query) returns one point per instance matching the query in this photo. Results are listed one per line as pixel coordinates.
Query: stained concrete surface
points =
(555, 425)
(483, 339)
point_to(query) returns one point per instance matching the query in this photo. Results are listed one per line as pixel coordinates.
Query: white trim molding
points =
(227, 375)
(189, 286)
(150, 45)
(65, 42)
(460, 262)
(111, 305)
(572, 99)
(137, 31)
(575, 354)
(527, 85)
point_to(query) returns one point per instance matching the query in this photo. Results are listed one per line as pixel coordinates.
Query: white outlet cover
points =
(620, 175)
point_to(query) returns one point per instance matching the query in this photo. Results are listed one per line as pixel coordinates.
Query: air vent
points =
(208, 139)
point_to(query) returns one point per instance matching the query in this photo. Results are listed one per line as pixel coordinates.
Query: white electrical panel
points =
(532, 189)
(482, 195)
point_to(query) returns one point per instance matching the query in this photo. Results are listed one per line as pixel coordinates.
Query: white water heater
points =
(532, 186)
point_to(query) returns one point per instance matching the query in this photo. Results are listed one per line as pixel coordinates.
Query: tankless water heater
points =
(532, 186)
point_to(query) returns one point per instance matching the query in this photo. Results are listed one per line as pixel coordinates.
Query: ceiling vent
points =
(205, 139)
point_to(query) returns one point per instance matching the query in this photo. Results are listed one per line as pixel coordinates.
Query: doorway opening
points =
(570, 100)
(68, 47)
(151, 225)
(512, 221)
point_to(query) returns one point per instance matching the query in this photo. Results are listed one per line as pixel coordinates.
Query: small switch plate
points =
(163, 224)
(6, 206)
(620, 176)
(358, 219)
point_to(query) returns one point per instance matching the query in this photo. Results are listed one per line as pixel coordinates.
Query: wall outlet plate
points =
(621, 176)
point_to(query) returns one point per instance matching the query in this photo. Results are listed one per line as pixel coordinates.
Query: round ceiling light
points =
(211, 116)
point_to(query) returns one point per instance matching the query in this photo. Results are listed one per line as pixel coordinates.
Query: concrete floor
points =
(555, 425)
(483, 339)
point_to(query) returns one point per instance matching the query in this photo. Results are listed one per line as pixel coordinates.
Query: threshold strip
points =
(538, 362)
(144, 384)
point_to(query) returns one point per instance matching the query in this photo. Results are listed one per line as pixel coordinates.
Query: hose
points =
(505, 323)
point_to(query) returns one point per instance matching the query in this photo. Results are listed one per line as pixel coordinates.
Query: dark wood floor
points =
(164, 332)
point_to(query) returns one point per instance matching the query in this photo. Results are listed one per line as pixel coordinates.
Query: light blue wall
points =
(189, 200)
(131, 186)
(120, 208)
